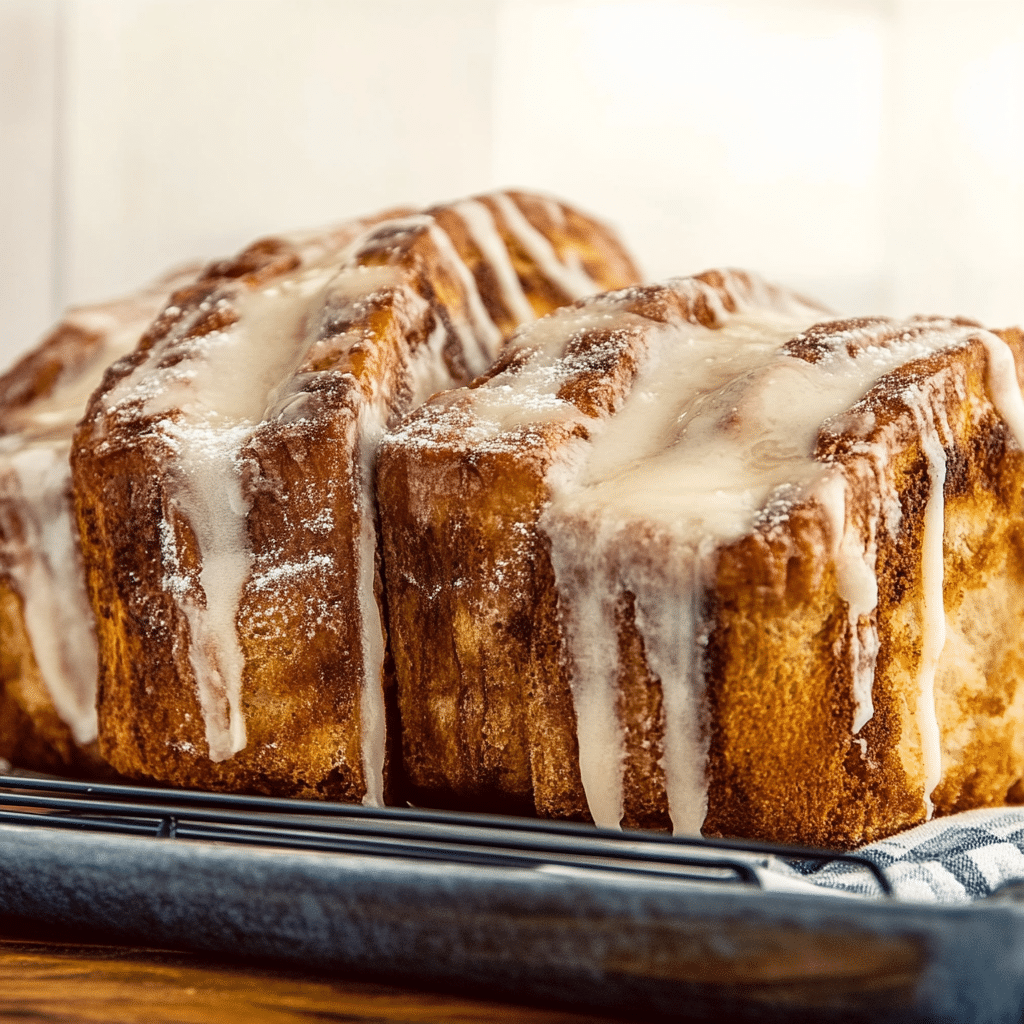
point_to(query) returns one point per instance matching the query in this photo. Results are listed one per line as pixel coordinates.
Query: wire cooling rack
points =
(484, 840)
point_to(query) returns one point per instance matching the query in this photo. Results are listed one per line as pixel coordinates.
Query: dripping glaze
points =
(717, 422)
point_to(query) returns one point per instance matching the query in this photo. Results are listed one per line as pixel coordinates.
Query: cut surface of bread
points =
(223, 479)
(47, 639)
(695, 556)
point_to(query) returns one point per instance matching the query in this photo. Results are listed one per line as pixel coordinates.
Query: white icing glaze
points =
(484, 232)
(571, 278)
(210, 402)
(427, 371)
(588, 620)
(717, 422)
(669, 626)
(314, 245)
(480, 337)
(857, 585)
(855, 555)
(482, 342)
(530, 394)
(933, 617)
(44, 564)
(371, 704)
(856, 562)
(224, 390)
(1003, 386)
(207, 491)
(554, 210)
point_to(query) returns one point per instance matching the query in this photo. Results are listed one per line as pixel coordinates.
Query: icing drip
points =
(482, 343)
(857, 585)
(588, 620)
(223, 386)
(427, 371)
(224, 395)
(427, 374)
(933, 616)
(371, 703)
(1003, 386)
(208, 493)
(572, 279)
(44, 563)
(668, 622)
(484, 232)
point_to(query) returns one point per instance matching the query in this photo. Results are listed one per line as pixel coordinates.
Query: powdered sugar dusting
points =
(271, 578)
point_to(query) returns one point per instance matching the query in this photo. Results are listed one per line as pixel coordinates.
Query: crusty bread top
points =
(673, 419)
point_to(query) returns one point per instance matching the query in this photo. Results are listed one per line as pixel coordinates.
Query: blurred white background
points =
(870, 152)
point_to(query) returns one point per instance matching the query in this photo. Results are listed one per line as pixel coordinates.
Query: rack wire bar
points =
(388, 831)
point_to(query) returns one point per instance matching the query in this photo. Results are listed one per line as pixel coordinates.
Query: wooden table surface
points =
(49, 980)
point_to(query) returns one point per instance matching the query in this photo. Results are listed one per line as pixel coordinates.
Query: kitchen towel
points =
(954, 859)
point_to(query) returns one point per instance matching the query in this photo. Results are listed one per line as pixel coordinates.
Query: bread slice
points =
(693, 556)
(223, 478)
(47, 639)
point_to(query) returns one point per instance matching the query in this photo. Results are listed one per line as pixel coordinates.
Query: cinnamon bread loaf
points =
(696, 556)
(223, 481)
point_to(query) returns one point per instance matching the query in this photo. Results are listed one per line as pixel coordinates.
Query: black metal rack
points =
(392, 832)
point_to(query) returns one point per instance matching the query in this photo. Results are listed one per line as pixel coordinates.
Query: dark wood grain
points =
(53, 981)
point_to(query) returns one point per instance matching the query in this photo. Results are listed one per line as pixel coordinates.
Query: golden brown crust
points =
(31, 733)
(300, 717)
(811, 783)
(465, 726)
(468, 558)
(641, 712)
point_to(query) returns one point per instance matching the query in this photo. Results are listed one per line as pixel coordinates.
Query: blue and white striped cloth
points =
(948, 860)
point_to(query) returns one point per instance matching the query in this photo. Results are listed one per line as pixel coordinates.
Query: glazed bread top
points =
(44, 394)
(370, 320)
(670, 420)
